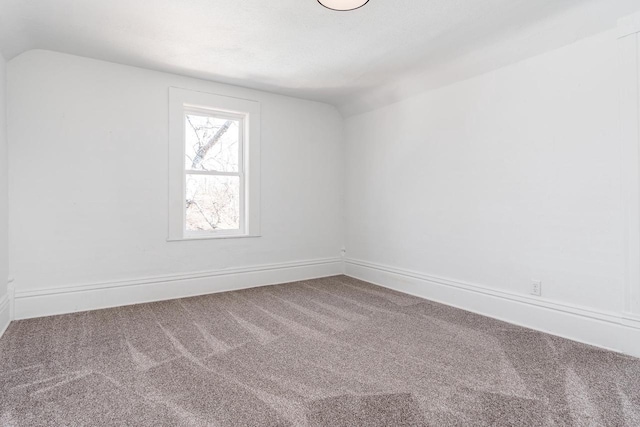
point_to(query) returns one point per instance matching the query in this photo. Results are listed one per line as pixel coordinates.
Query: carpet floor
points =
(327, 352)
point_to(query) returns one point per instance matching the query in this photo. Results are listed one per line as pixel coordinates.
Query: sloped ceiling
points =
(358, 61)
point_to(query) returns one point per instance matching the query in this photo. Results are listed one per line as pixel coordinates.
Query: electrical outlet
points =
(536, 288)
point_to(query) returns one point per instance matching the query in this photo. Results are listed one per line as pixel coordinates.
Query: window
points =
(213, 166)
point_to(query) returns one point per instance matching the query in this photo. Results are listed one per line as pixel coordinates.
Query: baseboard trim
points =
(5, 315)
(71, 299)
(613, 331)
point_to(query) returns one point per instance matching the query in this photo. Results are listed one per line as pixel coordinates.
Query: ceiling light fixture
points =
(343, 5)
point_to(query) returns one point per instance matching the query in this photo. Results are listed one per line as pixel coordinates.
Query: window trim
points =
(182, 101)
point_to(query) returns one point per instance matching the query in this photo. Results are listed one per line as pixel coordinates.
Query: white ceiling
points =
(358, 60)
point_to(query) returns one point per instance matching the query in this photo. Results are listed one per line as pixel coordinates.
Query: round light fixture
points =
(343, 5)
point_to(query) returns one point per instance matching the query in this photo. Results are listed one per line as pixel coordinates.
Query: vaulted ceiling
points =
(357, 60)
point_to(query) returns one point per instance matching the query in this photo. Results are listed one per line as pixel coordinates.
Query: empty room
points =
(320, 213)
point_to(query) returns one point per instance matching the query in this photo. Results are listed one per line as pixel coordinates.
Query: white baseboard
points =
(61, 300)
(5, 315)
(613, 331)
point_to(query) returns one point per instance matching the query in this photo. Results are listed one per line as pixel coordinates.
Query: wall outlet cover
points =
(536, 287)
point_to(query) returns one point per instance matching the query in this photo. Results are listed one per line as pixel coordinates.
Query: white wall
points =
(88, 177)
(463, 194)
(4, 249)
(492, 182)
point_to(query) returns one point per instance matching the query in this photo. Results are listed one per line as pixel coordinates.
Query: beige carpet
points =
(327, 352)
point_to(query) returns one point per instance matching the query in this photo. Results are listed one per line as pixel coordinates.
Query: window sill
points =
(187, 239)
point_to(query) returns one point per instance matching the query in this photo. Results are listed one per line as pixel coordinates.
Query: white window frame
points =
(247, 113)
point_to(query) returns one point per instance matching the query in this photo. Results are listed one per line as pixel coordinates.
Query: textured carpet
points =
(327, 352)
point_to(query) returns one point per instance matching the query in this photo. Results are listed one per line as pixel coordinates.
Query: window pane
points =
(213, 203)
(212, 143)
